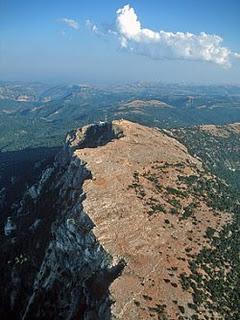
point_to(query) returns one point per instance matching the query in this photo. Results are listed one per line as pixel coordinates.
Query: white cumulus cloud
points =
(71, 23)
(170, 45)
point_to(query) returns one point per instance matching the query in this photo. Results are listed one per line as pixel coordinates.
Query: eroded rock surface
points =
(141, 202)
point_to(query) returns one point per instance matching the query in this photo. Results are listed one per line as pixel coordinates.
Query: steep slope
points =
(218, 147)
(121, 202)
(53, 266)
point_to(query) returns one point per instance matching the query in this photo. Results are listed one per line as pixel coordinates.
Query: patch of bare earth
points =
(144, 212)
(222, 131)
(137, 106)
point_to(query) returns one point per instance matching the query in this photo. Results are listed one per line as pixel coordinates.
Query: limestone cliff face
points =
(110, 228)
(76, 271)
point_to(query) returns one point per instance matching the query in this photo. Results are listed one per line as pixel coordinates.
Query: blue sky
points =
(87, 41)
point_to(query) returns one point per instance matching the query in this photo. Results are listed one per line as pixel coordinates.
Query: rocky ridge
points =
(142, 203)
(117, 204)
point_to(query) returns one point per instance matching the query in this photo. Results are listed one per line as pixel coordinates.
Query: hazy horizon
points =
(109, 83)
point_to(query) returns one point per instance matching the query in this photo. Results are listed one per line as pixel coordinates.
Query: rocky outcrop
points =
(93, 135)
(90, 136)
(75, 271)
(37, 188)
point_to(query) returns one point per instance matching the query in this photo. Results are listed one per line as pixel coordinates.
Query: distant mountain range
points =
(39, 115)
